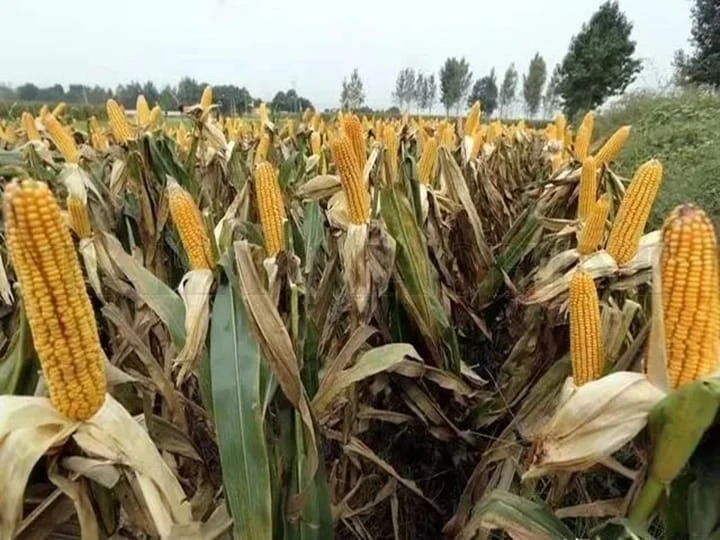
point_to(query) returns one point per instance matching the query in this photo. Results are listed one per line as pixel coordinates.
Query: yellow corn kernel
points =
(118, 122)
(612, 147)
(59, 312)
(473, 119)
(98, 140)
(586, 350)
(142, 111)
(62, 139)
(350, 170)
(477, 144)
(190, 226)
(352, 128)
(584, 135)
(270, 208)
(206, 99)
(426, 165)
(391, 150)
(315, 143)
(155, 116)
(262, 148)
(690, 295)
(28, 124)
(594, 228)
(79, 218)
(634, 212)
(588, 188)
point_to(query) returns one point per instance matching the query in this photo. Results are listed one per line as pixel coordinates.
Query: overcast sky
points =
(309, 44)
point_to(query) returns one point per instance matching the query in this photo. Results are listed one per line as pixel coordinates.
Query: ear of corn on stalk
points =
(426, 165)
(155, 116)
(190, 226)
(98, 140)
(634, 212)
(263, 146)
(352, 128)
(476, 145)
(473, 119)
(351, 179)
(118, 122)
(612, 147)
(142, 110)
(585, 334)
(560, 127)
(270, 207)
(28, 124)
(391, 151)
(59, 312)
(79, 218)
(587, 191)
(62, 139)
(594, 227)
(207, 98)
(59, 109)
(584, 136)
(690, 294)
(315, 143)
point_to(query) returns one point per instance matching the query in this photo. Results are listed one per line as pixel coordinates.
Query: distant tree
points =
(533, 83)
(6, 92)
(455, 80)
(352, 95)
(599, 63)
(28, 92)
(52, 94)
(127, 94)
(151, 93)
(393, 111)
(551, 99)
(703, 65)
(405, 88)
(290, 101)
(168, 99)
(508, 88)
(189, 91)
(431, 92)
(485, 91)
(230, 99)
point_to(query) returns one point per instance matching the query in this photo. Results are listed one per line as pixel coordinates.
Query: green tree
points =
(599, 63)
(189, 91)
(455, 80)
(28, 92)
(352, 95)
(551, 99)
(485, 91)
(508, 88)
(405, 88)
(703, 65)
(533, 83)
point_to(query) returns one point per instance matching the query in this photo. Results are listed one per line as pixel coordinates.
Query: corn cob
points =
(612, 147)
(59, 109)
(270, 207)
(593, 229)
(690, 294)
(476, 145)
(584, 135)
(634, 212)
(426, 165)
(155, 116)
(351, 179)
(494, 131)
(586, 351)
(142, 111)
(28, 124)
(263, 146)
(263, 114)
(391, 150)
(79, 218)
(472, 120)
(207, 98)
(98, 140)
(307, 115)
(447, 137)
(352, 128)
(315, 143)
(58, 309)
(44, 110)
(62, 139)
(588, 188)
(190, 226)
(118, 122)
(560, 125)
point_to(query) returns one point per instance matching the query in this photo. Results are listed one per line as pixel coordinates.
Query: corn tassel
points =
(190, 226)
(634, 212)
(593, 229)
(586, 351)
(351, 179)
(142, 111)
(612, 147)
(352, 128)
(391, 151)
(426, 165)
(206, 99)
(588, 188)
(62, 139)
(58, 309)
(472, 120)
(584, 135)
(79, 218)
(270, 208)
(28, 124)
(690, 294)
(315, 143)
(118, 122)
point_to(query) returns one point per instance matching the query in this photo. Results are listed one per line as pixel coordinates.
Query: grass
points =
(682, 131)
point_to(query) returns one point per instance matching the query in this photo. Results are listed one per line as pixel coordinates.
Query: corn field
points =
(344, 327)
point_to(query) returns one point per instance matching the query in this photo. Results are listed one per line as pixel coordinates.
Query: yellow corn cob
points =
(634, 212)
(307, 116)
(421, 138)
(476, 145)
(494, 131)
(426, 165)
(263, 114)
(352, 128)
(315, 143)
(190, 226)
(118, 122)
(584, 135)
(155, 116)
(62, 139)
(316, 120)
(351, 179)
(588, 188)
(142, 111)
(586, 350)
(28, 124)
(98, 140)
(593, 229)
(43, 113)
(79, 218)
(391, 150)
(58, 309)
(560, 125)
(59, 109)
(270, 208)
(447, 137)
(206, 99)
(612, 147)
(262, 148)
(690, 294)
(472, 120)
